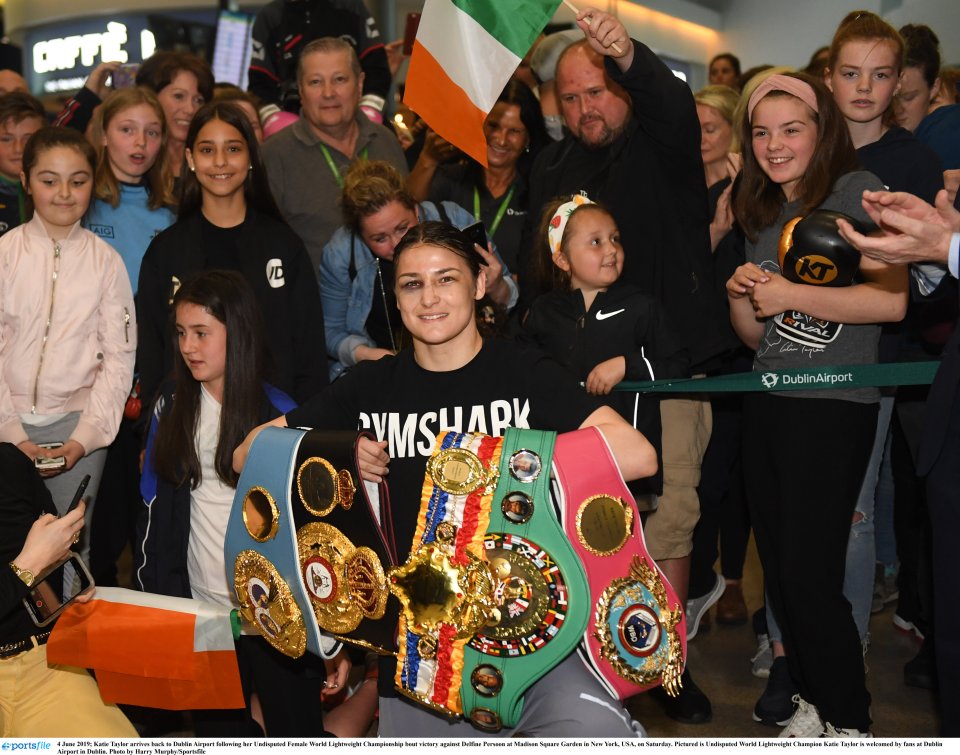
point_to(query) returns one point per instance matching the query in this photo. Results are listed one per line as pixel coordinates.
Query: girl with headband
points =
(805, 452)
(600, 328)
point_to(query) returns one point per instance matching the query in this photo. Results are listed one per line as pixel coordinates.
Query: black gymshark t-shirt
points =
(505, 385)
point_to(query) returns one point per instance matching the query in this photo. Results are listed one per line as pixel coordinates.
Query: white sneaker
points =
(831, 732)
(763, 659)
(806, 723)
(697, 607)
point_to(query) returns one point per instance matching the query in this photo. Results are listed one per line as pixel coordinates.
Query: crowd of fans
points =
(181, 261)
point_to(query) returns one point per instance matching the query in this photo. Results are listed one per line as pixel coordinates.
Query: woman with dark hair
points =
(798, 157)
(188, 486)
(724, 69)
(938, 128)
(452, 377)
(182, 82)
(357, 269)
(497, 194)
(229, 220)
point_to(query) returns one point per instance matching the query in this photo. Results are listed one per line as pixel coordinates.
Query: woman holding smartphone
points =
(38, 699)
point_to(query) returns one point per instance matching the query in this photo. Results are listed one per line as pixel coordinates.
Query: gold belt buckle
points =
(434, 591)
(459, 471)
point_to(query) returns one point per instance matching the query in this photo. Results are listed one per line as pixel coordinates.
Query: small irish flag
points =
(151, 650)
(464, 54)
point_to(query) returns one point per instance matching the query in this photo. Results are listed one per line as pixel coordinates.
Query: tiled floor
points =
(720, 662)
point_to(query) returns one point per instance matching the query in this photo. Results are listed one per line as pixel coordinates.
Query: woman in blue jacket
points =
(356, 272)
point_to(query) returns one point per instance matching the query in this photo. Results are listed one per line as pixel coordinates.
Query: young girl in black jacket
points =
(603, 330)
(229, 220)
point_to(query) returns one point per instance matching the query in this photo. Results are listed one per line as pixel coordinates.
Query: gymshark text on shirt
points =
(415, 434)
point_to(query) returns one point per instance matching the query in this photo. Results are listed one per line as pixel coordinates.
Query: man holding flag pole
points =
(634, 145)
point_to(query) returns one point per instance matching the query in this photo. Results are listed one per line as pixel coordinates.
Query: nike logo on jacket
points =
(601, 315)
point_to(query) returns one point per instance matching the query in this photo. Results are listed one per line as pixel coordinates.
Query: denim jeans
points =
(861, 548)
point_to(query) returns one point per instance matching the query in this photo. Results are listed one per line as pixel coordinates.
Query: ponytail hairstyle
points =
(158, 181)
(227, 296)
(862, 25)
(47, 138)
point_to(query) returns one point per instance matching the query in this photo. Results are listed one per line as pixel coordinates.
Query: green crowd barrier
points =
(807, 379)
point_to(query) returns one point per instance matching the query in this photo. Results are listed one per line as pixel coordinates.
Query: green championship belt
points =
(475, 636)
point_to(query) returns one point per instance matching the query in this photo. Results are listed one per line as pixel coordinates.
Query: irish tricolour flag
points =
(464, 54)
(152, 650)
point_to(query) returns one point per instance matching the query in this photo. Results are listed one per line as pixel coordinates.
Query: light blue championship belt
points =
(305, 546)
(493, 594)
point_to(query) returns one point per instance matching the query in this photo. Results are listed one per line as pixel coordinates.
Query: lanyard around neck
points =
(500, 212)
(333, 166)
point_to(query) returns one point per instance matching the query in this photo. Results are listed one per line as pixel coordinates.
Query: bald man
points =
(11, 81)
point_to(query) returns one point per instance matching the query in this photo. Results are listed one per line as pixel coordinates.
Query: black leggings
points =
(804, 460)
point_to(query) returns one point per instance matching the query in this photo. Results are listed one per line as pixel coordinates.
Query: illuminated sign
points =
(60, 56)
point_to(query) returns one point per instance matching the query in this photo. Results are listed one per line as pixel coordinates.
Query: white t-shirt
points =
(210, 506)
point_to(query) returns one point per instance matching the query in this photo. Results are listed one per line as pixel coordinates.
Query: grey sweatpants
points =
(567, 702)
(64, 485)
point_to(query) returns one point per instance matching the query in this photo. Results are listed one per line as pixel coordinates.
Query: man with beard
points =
(634, 145)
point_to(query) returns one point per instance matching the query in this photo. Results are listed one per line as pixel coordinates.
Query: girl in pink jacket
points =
(67, 328)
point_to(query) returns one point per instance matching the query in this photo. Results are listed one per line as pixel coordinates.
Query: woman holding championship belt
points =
(453, 378)
(805, 452)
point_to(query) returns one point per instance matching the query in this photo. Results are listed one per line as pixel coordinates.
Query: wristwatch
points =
(26, 576)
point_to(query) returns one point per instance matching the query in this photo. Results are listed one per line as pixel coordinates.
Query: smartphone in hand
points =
(125, 76)
(56, 588)
(477, 234)
(43, 463)
(78, 496)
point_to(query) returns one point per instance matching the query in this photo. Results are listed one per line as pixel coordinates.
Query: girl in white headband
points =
(603, 330)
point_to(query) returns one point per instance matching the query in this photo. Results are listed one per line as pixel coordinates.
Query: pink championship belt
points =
(638, 638)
